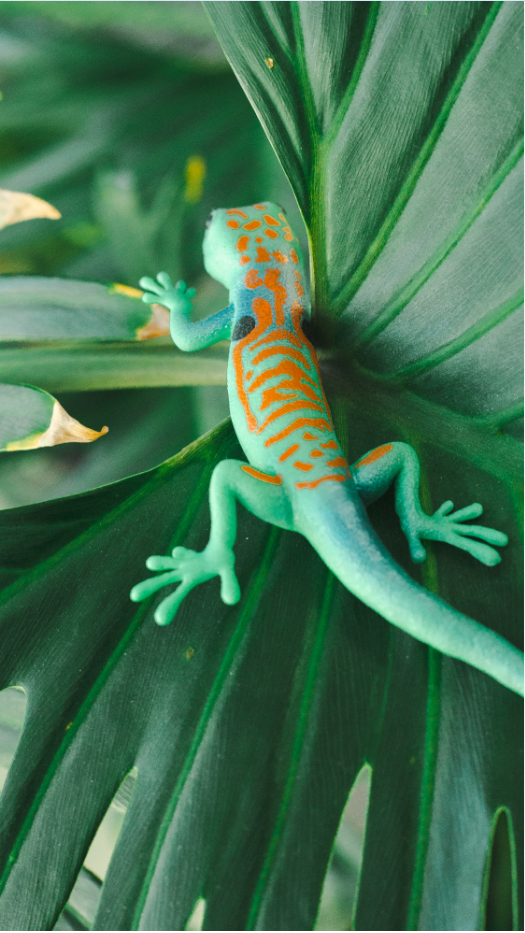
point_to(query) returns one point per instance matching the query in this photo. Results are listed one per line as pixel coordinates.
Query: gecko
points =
(296, 475)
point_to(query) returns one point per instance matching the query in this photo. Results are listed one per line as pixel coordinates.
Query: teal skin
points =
(296, 476)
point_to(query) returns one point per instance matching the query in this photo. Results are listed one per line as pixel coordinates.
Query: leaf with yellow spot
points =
(16, 206)
(30, 418)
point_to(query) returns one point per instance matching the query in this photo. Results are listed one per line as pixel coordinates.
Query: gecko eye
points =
(209, 220)
(243, 327)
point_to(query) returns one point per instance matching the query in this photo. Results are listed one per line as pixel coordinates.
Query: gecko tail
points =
(336, 524)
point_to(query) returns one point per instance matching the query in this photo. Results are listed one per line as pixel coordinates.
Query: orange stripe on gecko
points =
(337, 477)
(331, 445)
(338, 462)
(235, 210)
(263, 313)
(284, 368)
(318, 423)
(285, 410)
(242, 243)
(374, 455)
(264, 478)
(297, 313)
(278, 334)
(274, 351)
(292, 388)
(288, 452)
(303, 466)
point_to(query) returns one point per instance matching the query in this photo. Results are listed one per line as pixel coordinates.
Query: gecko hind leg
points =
(231, 480)
(398, 463)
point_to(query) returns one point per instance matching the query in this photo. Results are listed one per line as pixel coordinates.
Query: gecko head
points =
(234, 236)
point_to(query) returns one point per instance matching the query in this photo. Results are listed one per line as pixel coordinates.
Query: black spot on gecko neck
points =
(243, 327)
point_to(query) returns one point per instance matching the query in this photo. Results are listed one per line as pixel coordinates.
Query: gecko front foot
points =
(448, 526)
(176, 298)
(189, 568)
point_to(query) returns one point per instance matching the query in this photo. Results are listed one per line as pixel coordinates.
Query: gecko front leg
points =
(187, 335)
(399, 463)
(231, 480)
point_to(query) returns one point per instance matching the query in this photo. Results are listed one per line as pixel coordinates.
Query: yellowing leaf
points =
(31, 418)
(15, 207)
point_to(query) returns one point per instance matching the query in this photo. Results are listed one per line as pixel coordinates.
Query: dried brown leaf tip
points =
(15, 207)
(157, 326)
(63, 429)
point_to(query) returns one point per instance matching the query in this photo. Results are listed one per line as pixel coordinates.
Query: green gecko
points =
(297, 477)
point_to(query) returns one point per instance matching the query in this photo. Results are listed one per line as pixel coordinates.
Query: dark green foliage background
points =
(403, 155)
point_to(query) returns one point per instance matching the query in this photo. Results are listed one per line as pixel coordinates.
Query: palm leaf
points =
(249, 725)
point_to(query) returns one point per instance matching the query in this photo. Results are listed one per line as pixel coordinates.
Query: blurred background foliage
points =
(144, 130)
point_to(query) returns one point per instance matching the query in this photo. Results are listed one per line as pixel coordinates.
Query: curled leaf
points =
(30, 417)
(16, 206)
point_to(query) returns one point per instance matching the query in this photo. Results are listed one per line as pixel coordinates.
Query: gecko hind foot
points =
(448, 526)
(188, 568)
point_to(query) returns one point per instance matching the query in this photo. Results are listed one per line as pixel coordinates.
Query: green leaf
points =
(397, 125)
(84, 366)
(31, 418)
(33, 308)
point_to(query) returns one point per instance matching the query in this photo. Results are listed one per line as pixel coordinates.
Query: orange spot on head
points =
(249, 374)
(243, 260)
(235, 210)
(331, 445)
(271, 220)
(271, 233)
(283, 218)
(252, 280)
(374, 455)
(316, 453)
(263, 313)
(288, 452)
(252, 225)
(271, 280)
(337, 462)
(242, 243)
(303, 466)
(259, 239)
(288, 236)
(263, 477)
(233, 224)
(262, 254)
(315, 482)
(293, 255)
(280, 257)
(310, 437)
(260, 207)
